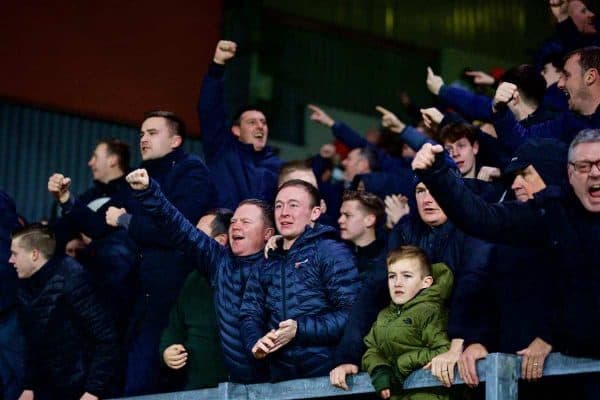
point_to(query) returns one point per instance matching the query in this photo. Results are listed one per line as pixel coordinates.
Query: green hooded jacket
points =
(406, 337)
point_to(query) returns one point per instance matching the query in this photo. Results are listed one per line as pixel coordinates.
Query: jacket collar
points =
(165, 163)
(38, 280)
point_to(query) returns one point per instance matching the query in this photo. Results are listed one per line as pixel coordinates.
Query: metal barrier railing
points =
(499, 371)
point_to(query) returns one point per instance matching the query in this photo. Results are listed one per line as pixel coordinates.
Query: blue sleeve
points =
(252, 311)
(212, 112)
(192, 194)
(353, 140)
(340, 278)
(512, 134)
(175, 228)
(470, 105)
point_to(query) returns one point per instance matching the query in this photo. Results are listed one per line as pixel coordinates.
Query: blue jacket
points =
(236, 169)
(227, 273)
(354, 140)
(476, 106)
(554, 221)
(163, 269)
(314, 283)
(71, 343)
(466, 257)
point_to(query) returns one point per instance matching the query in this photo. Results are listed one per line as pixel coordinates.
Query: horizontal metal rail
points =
(500, 371)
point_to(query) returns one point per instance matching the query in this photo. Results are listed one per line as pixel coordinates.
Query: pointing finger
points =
(382, 110)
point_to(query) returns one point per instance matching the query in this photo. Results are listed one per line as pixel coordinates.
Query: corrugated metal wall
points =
(35, 143)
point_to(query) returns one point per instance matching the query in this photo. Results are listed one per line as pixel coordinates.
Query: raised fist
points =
(225, 50)
(58, 186)
(138, 179)
(505, 93)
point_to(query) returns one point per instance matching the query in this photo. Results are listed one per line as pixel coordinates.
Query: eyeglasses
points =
(585, 167)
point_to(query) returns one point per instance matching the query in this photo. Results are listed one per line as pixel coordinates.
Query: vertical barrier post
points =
(502, 377)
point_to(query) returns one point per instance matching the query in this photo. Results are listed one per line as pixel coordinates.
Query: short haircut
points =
(220, 225)
(118, 148)
(371, 203)
(589, 57)
(265, 208)
(584, 136)
(410, 253)
(174, 123)
(313, 192)
(292, 166)
(36, 236)
(528, 79)
(455, 131)
(369, 154)
(237, 117)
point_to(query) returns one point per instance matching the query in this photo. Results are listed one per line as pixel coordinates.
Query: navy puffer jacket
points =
(227, 273)
(314, 283)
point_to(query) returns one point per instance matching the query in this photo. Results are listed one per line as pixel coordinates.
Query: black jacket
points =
(554, 221)
(71, 343)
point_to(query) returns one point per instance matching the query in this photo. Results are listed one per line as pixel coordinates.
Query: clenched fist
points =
(225, 50)
(58, 186)
(138, 179)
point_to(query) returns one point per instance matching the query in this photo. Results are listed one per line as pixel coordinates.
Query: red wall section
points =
(106, 58)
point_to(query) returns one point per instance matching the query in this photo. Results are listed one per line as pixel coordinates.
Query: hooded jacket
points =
(406, 337)
(313, 283)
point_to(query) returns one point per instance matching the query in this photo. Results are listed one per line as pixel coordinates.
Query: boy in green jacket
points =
(412, 330)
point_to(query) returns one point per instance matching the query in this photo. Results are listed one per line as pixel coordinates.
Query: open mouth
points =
(259, 135)
(594, 191)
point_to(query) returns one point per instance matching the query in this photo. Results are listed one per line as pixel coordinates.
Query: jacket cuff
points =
(381, 378)
(216, 70)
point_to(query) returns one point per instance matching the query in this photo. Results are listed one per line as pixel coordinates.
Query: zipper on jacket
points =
(283, 305)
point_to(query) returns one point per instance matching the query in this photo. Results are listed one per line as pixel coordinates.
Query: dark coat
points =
(11, 337)
(184, 180)
(314, 283)
(193, 324)
(554, 221)
(235, 168)
(371, 262)
(227, 274)
(466, 256)
(71, 341)
(112, 256)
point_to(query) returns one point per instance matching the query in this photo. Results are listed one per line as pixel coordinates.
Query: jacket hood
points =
(439, 292)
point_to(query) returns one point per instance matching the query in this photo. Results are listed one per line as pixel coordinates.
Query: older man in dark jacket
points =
(566, 223)
(71, 343)
(240, 162)
(296, 305)
(227, 268)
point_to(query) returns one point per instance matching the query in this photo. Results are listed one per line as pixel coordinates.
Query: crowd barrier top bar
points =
(500, 371)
